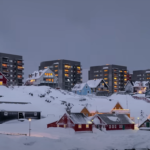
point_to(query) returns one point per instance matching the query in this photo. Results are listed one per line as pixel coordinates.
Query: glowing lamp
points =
(29, 119)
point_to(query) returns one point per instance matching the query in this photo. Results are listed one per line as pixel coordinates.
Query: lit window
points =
(20, 67)
(4, 65)
(115, 78)
(120, 70)
(56, 75)
(79, 126)
(45, 67)
(56, 65)
(109, 126)
(1, 83)
(66, 75)
(58, 125)
(115, 90)
(64, 125)
(32, 80)
(105, 78)
(105, 70)
(52, 80)
(106, 82)
(67, 66)
(105, 74)
(78, 68)
(87, 125)
(56, 70)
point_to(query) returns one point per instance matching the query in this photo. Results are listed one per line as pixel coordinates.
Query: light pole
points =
(138, 120)
(29, 126)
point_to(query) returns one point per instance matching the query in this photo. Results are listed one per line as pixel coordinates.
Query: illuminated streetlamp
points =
(138, 120)
(29, 126)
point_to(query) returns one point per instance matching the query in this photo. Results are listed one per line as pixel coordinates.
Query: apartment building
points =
(12, 67)
(141, 75)
(115, 76)
(68, 72)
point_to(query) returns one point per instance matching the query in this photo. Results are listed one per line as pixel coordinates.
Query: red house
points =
(3, 80)
(78, 121)
(112, 121)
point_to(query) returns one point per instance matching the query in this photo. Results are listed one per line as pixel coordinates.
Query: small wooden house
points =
(145, 125)
(78, 121)
(129, 87)
(3, 80)
(112, 122)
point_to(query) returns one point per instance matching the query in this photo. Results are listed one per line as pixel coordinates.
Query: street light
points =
(29, 126)
(138, 120)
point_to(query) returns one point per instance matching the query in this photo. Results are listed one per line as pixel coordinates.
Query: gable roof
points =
(37, 74)
(141, 83)
(131, 82)
(95, 83)
(115, 119)
(4, 76)
(79, 118)
(79, 86)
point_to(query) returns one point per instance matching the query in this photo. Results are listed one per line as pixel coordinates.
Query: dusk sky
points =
(94, 32)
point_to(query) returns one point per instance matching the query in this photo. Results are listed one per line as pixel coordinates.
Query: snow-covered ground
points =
(67, 139)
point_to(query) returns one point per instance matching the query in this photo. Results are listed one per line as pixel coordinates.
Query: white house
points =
(42, 77)
(129, 87)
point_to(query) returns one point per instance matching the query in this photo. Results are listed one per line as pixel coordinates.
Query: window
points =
(120, 126)
(66, 75)
(115, 78)
(79, 126)
(4, 65)
(56, 65)
(109, 126)
(120, 71)
(32, 80)
(10, 61)
(115, 91)
(105, 70)
(56, 70)
(115, 126)
(45, 67)
(20, 67)
(1, 77)
(105, 78)
(56, 75)
(112, 126)
(1, 83)
(58, 125)
(5, 113)
(86, 87)
(106, 82)
(67, 66)
(64, 125)
(87, 125)
(105, 74)
(35, 114)
(52, 80)
(115, 83)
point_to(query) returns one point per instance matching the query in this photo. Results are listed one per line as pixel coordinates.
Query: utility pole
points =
(29, 126)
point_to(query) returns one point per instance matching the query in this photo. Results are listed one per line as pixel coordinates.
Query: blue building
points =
(81, 89)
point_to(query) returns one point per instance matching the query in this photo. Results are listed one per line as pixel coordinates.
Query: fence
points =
(14, 134)
(142, 98)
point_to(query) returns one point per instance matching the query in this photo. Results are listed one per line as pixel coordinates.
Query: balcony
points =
(79, 72)
(66, 71)
(20, 63)
(20, 68)
(67, 66)
(20, 72)
(20, 77)
(4, 66)
(79, 68)
(5, 60)
(6, 71)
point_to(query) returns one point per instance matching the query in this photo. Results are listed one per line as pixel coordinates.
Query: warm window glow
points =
(56, 70)
(19, 62)
(66, 70)
(125, 79)
(105, 70)
(79, 68)
(4, 65)
(67, 66)
(106, 82)
(32, 80)
(45, 67)
(105, 78)
(64, 125)
(19, 76)
(125, 71)
(105, 74)
(125, 75)
(148, 78)
(66, 75)
(80, 72)
(20, 67)
(50, 80)
(115, 90)
(1, 83)
(87, 125)
(58, 125)
(115, 83)
(79, 126)
(115, 86)
(56, 65)
(120, 71)
(115, 78)
(56, 75)
(48, 74)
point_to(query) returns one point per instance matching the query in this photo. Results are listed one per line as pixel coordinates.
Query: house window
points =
(86, 87)
(105, 78)
(88, 92)
(112, 126)
(56, 75)
(115, 126)
(87, 125)
(109, 126)
(105, 70)
(1, 77)
(5, 113)
(120, 126)
(58, 125)
(64, 125)
(35, 114)
(79, 126)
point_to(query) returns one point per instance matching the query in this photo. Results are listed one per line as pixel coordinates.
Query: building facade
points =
(12, 67)
(42, 77)
(141, 75)
(68, 72)
(115, 76)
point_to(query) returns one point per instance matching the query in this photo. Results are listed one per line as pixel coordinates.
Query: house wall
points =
(4, 80)
(119, 127)
(85, 112)
(129, 87)
(14, 115)
(83, 127)
(53, 124)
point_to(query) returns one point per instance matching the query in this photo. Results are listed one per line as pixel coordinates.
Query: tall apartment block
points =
(12, 67)
(68, 72)
(115, 76)
(141, 75)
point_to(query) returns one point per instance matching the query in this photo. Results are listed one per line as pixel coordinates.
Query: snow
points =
(78, 87)
(94, 83)
(66, 139)
(113, 118)
(96, 121)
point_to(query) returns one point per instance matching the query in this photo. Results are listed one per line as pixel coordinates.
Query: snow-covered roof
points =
(18, 107)
(131, 82)
(115, 119)
(147, 71)
(141, 83)
(94, 83)
(77, 109)
(79, 118)
(38, 75)
(78, 87)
